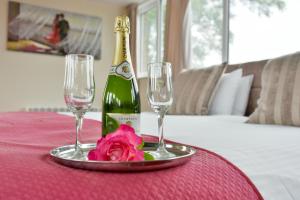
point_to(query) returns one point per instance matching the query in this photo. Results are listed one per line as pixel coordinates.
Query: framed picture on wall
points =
(49, 31)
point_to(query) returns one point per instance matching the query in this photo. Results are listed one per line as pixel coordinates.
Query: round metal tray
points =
(182, 153)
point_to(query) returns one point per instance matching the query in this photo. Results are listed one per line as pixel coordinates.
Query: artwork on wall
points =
(50, 31)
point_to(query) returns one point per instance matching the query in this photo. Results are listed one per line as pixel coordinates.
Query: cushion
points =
(255, 68)
(279, 101)
(225, 94)
(193, 89)
(242, 95)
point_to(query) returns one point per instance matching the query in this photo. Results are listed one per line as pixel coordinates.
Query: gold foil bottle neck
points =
(122, 24)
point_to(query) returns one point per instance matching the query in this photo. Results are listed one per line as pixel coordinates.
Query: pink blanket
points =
(28, 172)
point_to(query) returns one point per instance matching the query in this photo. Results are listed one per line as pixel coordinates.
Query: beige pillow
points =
(279, 101)
(193, 89)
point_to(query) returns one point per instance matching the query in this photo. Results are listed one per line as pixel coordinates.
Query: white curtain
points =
(187, 46)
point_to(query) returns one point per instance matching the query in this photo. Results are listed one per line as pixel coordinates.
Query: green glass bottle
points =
(121, 100)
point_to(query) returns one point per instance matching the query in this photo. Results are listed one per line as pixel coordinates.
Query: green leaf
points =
(148, 156)
(111, 124)
(140, 147)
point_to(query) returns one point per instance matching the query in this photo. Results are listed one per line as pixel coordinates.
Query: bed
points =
(268, 154)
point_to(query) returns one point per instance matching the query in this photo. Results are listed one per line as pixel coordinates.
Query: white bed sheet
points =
(268, 154)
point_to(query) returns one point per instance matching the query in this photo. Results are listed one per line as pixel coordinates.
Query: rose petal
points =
(126, 128)
(118, 151)
(130, 133)
(101, 140)
(92, 155)
(139, 155)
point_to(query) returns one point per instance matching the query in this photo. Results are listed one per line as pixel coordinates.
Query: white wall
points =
(35, 80)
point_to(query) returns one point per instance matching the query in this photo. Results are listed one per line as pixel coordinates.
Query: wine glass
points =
(160, 96)
(79, 91)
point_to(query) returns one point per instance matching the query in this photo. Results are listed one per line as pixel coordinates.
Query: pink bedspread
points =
(28, 172)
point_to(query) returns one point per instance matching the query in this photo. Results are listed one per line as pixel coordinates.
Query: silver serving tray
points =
(182, 153)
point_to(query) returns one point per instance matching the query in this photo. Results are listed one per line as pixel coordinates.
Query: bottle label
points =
(132, 120)
(123, 70)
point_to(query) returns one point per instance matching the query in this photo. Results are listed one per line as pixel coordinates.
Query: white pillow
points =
(225, 93)
(242, 95)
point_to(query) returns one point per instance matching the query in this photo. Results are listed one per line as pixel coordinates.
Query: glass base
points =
(78, 154)
(162, 154)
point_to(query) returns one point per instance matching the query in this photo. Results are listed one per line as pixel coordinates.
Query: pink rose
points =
(121, 145)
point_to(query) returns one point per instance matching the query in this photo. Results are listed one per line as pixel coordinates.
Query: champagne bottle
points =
(121, 100)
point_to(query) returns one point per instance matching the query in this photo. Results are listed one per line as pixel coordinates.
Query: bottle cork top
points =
(122, 24)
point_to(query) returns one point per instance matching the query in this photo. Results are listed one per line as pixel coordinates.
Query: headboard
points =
(256, 69)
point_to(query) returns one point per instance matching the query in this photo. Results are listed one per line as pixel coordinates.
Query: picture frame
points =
(51, 31)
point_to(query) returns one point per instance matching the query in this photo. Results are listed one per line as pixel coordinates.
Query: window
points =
(259, 29)
(231, 31)
(150, 31)
(263, 29)
(207, 32)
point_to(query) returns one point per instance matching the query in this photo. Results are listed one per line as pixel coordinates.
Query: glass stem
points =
(79, 118)
(161, 143)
